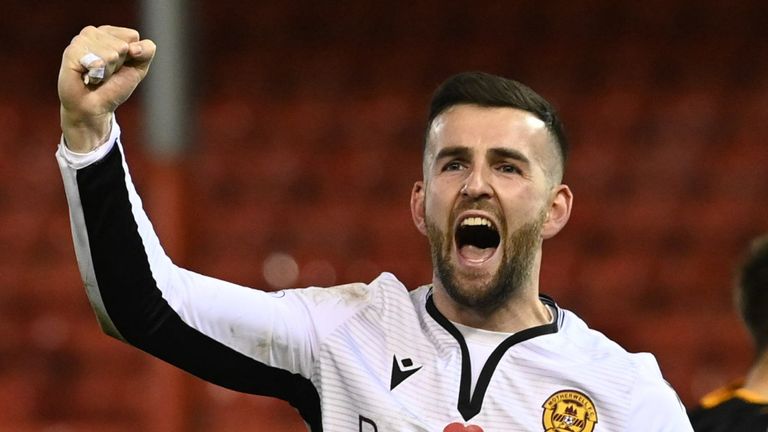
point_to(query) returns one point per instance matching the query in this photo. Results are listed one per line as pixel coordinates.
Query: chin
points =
(486, 292)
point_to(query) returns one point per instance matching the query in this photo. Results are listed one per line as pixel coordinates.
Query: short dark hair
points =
(752, 292)
(486, 90)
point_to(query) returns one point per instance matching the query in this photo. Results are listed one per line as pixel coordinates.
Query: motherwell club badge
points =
(569, 411)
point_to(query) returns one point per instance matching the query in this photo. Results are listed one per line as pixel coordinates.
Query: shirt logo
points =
(460, 427)
(402, 369)
(569, 411)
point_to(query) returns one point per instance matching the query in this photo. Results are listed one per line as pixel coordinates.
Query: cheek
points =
(432, 213)
(434, 204)
(522, 208)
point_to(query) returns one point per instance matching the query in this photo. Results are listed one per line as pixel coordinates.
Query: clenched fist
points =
(86, 109)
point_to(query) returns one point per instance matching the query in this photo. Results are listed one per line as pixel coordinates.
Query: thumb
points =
(141, 53)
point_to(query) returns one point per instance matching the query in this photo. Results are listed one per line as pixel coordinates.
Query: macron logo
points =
(402, 369)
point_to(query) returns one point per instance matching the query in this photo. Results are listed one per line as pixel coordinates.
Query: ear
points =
(417, 207)
(559, 211)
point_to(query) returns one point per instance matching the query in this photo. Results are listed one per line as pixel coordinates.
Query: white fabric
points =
(480, 344)
(77, 161)
(344, 339)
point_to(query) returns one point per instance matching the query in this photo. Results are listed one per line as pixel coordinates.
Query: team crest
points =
(569, 411)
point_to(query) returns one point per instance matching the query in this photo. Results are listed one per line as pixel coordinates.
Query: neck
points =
(521, 311)
(757, 378)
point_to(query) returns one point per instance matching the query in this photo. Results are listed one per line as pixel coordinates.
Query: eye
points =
(453, 166)
(509, 169)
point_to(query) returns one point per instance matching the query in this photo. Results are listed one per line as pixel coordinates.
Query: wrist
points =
(84, 136)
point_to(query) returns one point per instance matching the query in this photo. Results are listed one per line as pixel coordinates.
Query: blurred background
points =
(305, 137)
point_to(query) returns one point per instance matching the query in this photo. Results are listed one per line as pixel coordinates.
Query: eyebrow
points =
(507, 153)
(454, 151)
(496, 153)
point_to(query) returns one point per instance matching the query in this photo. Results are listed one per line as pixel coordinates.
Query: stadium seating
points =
(308, 139)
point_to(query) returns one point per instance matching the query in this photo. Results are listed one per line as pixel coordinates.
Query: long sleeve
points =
(241, 338)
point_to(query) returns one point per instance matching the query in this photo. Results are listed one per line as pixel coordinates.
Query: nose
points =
(477, 185)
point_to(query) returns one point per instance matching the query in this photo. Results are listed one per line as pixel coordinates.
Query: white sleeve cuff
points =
(81, 160)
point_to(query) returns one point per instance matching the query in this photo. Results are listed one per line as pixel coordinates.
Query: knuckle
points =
(67, 53)
(112, 57)
(88, 30)
(122, 47)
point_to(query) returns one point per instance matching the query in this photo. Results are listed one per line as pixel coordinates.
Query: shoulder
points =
(383, 293)
(330, 308)
(730, 407)
(653, 403)
(733, 391)
(640, 371)
(591, 345)
(628, 387)
(356, 293)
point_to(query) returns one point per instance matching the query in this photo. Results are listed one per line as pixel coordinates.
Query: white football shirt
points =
(358, 357)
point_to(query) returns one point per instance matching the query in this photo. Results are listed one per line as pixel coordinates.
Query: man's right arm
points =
(240, 338)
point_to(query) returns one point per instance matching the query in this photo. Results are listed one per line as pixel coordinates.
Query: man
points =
(477, 350)
(743, 406)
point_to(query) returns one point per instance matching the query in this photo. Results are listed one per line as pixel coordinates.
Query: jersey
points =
(372, 356)
(731, 409)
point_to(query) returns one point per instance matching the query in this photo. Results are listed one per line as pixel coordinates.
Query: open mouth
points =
(477, 238)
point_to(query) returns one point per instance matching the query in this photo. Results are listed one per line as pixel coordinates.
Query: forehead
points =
(483, 128)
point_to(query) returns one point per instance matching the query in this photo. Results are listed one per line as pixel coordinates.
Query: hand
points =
(86, 110)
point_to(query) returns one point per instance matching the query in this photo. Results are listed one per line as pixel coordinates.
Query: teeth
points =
(476, 221)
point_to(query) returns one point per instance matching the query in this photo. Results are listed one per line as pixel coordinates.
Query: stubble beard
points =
(518, 255)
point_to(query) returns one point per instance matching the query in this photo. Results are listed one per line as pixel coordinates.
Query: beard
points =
(518, 254)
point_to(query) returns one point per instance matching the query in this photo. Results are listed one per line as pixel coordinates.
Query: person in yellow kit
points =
(743, 406)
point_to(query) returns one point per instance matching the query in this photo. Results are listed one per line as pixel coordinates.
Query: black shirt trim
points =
(469, 405)
(144, 318)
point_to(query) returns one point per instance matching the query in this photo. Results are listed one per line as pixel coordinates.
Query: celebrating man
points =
(477, 349)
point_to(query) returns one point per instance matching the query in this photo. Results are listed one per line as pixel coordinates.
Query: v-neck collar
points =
(470, 403)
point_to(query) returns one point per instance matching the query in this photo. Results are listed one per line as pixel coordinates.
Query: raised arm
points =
(241, 338)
